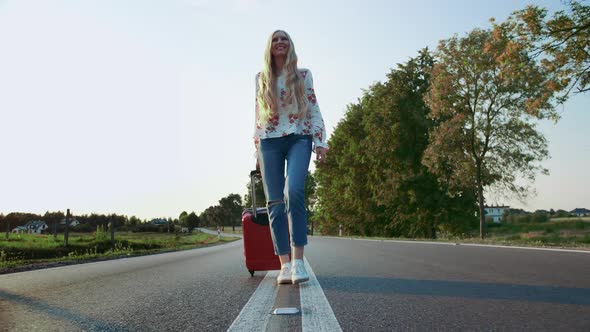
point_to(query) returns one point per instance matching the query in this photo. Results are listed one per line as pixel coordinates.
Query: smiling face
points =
(280, 44)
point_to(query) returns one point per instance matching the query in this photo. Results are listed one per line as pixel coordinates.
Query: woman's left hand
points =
(321, 154)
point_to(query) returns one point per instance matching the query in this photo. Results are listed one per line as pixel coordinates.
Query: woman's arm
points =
(318, 129)
(258, 129)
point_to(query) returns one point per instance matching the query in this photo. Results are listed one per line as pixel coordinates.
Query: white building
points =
(495, 213)
(34, 226)
(580, 212)
(20, 229)
(73, 222)
(159, 221)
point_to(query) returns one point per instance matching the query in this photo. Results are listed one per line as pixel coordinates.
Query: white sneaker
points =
(285, 274)
(298, 272)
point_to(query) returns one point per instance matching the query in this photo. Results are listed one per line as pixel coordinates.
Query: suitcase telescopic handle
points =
(253, 174)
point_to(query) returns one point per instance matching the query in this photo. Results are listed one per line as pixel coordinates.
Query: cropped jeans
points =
(285, 196)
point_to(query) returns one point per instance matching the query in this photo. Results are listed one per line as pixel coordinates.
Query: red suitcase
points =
(258, 248)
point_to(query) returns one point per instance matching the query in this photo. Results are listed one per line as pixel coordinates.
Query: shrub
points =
(146, 228)
(83, 228)
(101, 235)
(539, 217)
(526, 218)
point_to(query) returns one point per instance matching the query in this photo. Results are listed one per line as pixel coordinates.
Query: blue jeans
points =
(285, 196)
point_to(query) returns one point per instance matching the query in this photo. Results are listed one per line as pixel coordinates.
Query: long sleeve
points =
(258, 129)
(318, 128)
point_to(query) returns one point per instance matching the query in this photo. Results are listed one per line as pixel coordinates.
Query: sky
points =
(146, 108)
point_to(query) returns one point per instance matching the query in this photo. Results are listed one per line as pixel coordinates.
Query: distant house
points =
(580, 212)
(495, 213)
(159, 221)
(73, 222)
(34, 226)
(19, 229)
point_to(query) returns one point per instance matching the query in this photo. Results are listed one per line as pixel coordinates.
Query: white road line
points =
(256, 313)
(316, 313)
(528, 248)
(462, 244)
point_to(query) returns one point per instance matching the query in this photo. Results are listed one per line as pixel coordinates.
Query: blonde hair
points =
(267, 82)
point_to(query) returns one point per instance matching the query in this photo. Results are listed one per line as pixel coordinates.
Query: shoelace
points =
(298, 269)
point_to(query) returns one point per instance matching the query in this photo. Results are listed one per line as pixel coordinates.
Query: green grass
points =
(563, 232)
(569, 232)
(551, 226)
(571, 218)
(24, 249)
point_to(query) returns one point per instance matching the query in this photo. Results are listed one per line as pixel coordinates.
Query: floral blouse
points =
(286, 121)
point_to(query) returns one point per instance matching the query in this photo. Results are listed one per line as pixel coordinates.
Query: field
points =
(586, 219)
(559, 233)
(556, 232)
(26, 249)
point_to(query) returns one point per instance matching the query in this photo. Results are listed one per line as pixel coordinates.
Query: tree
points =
(217, 216)
(19, 218)
(373, 181)
(182, 218)
(563, 41)
(4, 225)
(212, 216)
(310, 197)
(231, 207)
(260, 198)
(343, 198)
(310, 191)
(562, 214)
(191, 221)
(115, 219)
(397, 124)
(485, 93)
(133, 221)
(205, 218)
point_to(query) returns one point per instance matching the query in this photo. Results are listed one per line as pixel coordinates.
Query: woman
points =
(289, 126)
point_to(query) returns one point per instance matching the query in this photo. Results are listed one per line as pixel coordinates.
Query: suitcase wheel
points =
(251, 272)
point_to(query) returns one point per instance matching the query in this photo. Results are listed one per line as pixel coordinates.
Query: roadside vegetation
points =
(557, 233)
(528, 230)
(25, 249)
(567, 232)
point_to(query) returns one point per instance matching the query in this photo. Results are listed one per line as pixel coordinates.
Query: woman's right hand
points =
(321, 154)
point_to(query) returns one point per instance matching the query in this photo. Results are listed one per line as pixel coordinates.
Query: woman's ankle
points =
(284, 259)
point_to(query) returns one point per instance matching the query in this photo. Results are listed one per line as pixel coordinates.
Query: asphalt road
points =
(369, 286)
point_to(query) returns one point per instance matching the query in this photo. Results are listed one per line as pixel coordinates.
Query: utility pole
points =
(7, 229)
(66, 234)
